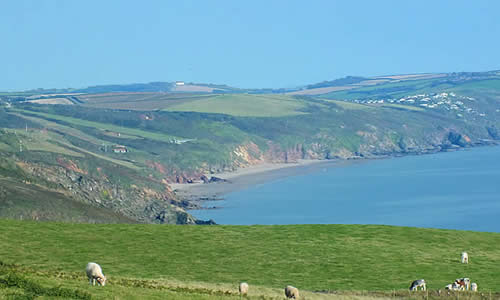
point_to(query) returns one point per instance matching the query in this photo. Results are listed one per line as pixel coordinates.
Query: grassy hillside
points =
(26, 201)
(311, 257)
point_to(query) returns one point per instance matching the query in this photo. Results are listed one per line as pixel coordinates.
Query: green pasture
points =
(35, 140)
(138, 101)
(244, 105)
(492, 84)
(310, 257)
(25, 283)
(104, 126)
(392, 89)
(61, 128)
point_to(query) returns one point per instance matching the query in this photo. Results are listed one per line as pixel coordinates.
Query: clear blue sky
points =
(241, 43)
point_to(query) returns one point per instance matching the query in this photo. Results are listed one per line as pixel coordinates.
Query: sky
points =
(247, 44)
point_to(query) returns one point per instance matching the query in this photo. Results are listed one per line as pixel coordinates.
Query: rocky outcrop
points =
(143, 204)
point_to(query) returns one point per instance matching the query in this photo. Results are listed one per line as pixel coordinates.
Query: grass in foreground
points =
(311, 257)
(24, 283)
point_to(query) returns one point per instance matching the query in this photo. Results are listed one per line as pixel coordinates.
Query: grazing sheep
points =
(291, 292)
(416, 284)
(452, 286)
(473, 287)
(465, 258)
(464, 283)
(243, 288)
(94, 272)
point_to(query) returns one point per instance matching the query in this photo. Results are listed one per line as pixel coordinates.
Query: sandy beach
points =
(246, 177)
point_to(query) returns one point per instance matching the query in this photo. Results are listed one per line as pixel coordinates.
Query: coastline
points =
(250, 176)
(197, 193)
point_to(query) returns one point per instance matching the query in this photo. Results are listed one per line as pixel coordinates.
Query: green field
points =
(213, 259)
(138, 101)
(34, 140)
(105, 126)
(244, 105)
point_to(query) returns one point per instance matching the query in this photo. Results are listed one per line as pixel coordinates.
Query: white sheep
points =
(94, 272)
(243, 288)
(473, 287)
(416, 284)
(452, 287)
(465, 258)
(291, 292)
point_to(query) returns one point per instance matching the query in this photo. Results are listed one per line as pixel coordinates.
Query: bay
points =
(453, 190)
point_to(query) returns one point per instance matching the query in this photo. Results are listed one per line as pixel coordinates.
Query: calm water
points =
(457, 190)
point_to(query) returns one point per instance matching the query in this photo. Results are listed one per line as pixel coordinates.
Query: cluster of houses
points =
(445, 101)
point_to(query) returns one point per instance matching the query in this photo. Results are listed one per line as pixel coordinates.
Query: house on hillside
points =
(120, 149)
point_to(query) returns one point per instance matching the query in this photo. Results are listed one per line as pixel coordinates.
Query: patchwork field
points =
(325, 90)
(254, 105)
(52, 101)
(244, 105)
(412, 76)
(212, 260)
(107, 126)
(137, 101)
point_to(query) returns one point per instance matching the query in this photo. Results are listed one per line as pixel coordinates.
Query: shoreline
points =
(244, 178)
(198, 193)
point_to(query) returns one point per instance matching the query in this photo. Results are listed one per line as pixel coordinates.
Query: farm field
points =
(244, 105)
(425, 84)
(105, 126)
(211, 260)
(138, 101)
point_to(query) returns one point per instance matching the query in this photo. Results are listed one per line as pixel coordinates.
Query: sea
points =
(450, 190)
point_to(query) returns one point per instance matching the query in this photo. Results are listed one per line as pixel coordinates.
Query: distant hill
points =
(139, 87)
(337, 82)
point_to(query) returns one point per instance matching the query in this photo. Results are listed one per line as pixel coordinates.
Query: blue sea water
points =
(454, 190)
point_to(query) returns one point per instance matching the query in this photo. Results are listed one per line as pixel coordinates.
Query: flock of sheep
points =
(460, 284)
(94, 273)
(290, 291)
